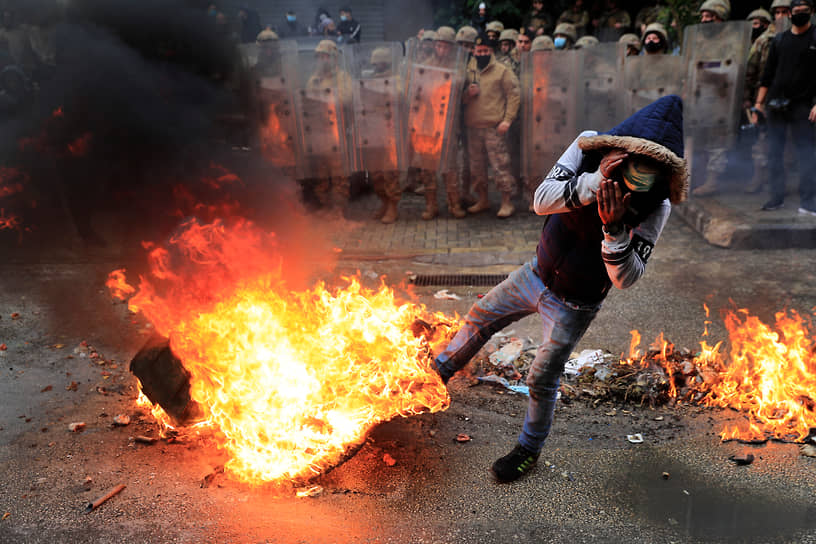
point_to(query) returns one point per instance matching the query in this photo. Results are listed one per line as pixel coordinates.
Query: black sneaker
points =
(773, 204)
(514, 464)
(807, 210)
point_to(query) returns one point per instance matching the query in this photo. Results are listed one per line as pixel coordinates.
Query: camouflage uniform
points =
(757, 58)
(509, 59)
(466, 37)
(331, 190)
(498, 101)
(606, 28)
(579, 20)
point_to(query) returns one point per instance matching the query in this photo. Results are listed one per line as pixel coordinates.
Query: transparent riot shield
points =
(275, 74)
(323, 98)
(599, 87)
(377, 94)
(433, 99)
(648, 77)
(549, 109)
(716, 55)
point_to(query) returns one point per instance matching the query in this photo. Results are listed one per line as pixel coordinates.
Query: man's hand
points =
(612, 160)
(612, 203)
(473, 90)
(503, 127)
(812, 116)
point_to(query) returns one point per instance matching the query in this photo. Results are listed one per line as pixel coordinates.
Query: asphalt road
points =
(591, 485)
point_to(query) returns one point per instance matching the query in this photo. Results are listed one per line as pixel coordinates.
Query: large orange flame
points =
(292, 380)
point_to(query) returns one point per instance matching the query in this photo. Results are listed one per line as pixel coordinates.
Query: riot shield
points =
(648, 77)
(322, 100)
(599, 87)
(376, 127)
(275, 74)
(549, 109)
(433, 100)
(715, 56)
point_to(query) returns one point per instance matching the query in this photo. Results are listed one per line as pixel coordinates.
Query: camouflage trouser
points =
(332, 192)
(463, 165)
(429, 181)
(487, 146)
(386, 185)
(759, 151)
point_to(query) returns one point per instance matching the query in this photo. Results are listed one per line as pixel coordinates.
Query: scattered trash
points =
(145, 439)
(461, 437)
(673, 522)
(659, 418)
(432, 432)
(666, 475)
(121, 420)
(568, 476)
(508, 353)
(444, 295)
(98, 502)
(77, 427)
(388, 460)
(808, 450)
(87, 483)
(3, 347)
(635, 438)
(313, 491)
(208, 479)
(73, 386)
(15, 315)
(742, 460)
(587, 358)
(5, 516)
(480, 295)
(492, 378)
(46, 389)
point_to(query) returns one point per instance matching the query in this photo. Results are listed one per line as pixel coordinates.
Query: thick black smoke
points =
(141, 120)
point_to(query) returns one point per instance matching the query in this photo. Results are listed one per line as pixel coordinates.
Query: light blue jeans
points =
(563, 324)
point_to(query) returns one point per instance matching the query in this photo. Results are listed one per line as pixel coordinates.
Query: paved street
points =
(591, 485)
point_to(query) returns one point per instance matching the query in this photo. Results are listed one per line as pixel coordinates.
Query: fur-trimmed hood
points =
(655, 131)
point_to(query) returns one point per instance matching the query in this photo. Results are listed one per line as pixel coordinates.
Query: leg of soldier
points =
(477, 152)
(452, 192)
(514, 147)
(717, 162)
(429, 183)
(463, 161)
(760, 156)
(378, 184)
(340, 191)
(805, 149)
(391, 192)
(322, 191)
(499, 158)
(777, 128)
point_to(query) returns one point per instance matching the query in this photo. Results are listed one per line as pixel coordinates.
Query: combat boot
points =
(708, 188)
(390, 214)
(757, 182)
(382, 211)
(482, 204)
(431, 206)
(507, 209)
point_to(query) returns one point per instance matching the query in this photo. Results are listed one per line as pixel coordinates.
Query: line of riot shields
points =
(391, 107)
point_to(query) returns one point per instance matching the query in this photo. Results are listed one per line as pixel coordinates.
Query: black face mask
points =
(482, 61)
(800, 19)
(653, 47)
(757, 32)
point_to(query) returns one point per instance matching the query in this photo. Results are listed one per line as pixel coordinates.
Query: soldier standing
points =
(632, 44)
(494, 30)
(507, 54)
(524, 41)
(542, 43)
(491, 100)
(586, 41)
(564, 36)
(331, 188)
(655, 39)
(577, 16)
(537, 21)
(614, 22)
(762, 33)
(466, 38)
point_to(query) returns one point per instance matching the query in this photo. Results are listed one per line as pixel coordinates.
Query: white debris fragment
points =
(588, 357)
(445, 295)
(635, 438)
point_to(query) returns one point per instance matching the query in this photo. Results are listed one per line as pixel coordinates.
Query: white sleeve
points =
(625, 254)
(562, 190)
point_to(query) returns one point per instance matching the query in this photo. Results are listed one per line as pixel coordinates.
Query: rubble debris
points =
(3, 347)
(742, 460)
(98, 502)
(462, 437)
(635, 438)
(808, 450)
(77, 427)
(46, 389)
(121, 420)
(165, 381)
(15, 315)
(523, 389)
(141, 439)
(5, 516)
(73, 386)
(443, 294)
(666, 475)
(388, 460)
(313, 491)
(208, 479)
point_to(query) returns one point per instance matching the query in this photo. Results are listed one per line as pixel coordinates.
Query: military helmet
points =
(542, 43)
(381, 55)
(445, 34)
(484, 39)
(566, 29)
(467, 34)
(327, 46)
(760, 14)
(508, 34)
(780, 4)
(630, 39)
(495, 26)
(586, 41)
(428, 35)
(266, 36)
(721, 8)
(658, 29)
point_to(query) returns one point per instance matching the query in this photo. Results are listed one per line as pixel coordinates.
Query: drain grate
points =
(488, 280)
